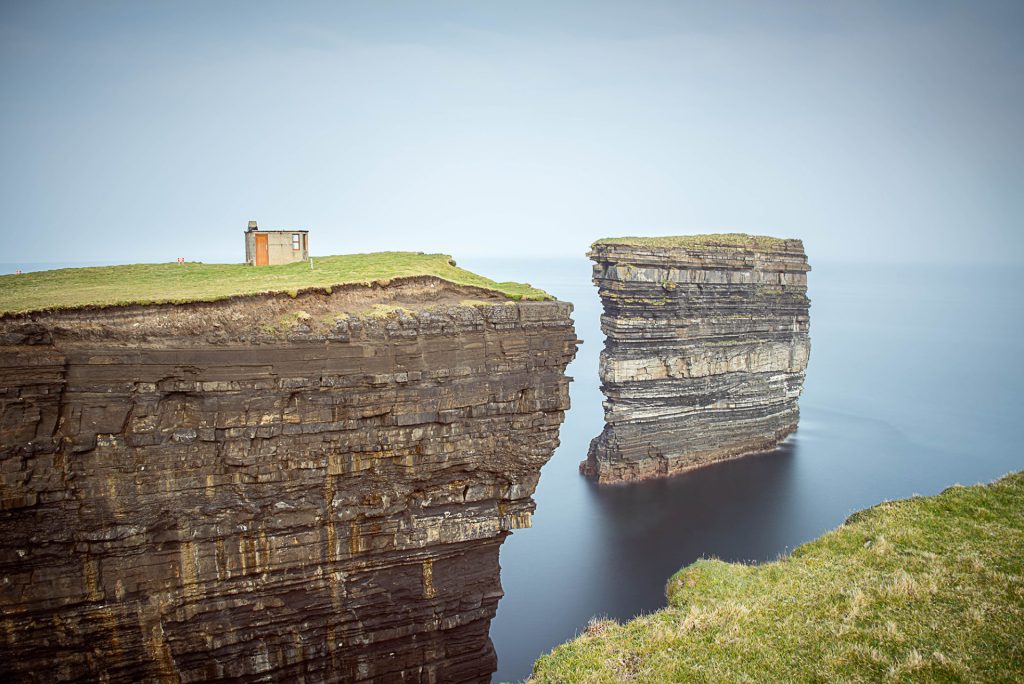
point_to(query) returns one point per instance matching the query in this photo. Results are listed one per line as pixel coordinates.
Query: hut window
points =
(296, 241)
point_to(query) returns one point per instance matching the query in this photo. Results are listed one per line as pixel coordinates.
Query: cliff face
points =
(267, 488)
(706, 346)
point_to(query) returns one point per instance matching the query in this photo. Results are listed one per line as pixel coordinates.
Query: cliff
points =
(705, 351)
(270, 487)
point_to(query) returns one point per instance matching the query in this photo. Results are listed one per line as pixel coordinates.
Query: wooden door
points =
(262, 258)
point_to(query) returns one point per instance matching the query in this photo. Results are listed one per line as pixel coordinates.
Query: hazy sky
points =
(144, 130)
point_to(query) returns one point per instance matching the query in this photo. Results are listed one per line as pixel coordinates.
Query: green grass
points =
(740, 240)
(162, 283)
(918, 590)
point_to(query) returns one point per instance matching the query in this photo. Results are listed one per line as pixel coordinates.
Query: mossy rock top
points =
(728, 240)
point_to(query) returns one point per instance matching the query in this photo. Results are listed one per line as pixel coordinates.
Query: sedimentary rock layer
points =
(705, 351)
(270, 488)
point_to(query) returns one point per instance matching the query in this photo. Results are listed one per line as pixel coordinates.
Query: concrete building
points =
(273, 247)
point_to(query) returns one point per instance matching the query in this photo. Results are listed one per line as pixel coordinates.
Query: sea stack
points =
(705, 351)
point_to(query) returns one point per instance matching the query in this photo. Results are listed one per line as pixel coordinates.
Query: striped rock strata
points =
(705, 351)
(270, 488)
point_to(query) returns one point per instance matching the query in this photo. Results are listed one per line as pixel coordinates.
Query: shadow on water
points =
(735, 511)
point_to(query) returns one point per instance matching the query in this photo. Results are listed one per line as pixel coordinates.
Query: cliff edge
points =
(272, 487)
(705, 351)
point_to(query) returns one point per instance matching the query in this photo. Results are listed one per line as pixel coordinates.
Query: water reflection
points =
(649, 528)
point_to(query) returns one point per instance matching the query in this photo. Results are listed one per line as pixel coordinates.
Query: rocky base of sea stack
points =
(706, 347)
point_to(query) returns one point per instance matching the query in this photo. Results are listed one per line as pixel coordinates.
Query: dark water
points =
(914, 384)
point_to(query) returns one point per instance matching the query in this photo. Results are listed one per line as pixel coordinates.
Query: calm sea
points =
(914, 384)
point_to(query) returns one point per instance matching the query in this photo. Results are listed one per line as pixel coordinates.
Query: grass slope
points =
(918, 590)
(741, 240)
(161, 283)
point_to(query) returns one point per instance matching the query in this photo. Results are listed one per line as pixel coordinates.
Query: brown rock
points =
(705, 351)
(270, 488)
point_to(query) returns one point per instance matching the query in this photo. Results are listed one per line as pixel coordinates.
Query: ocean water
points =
(914, 384)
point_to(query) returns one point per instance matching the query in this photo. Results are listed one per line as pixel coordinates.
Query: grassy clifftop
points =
(193, 282)
(741, 240)
(923, 589)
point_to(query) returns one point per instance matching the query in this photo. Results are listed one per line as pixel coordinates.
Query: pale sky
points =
(144, 131)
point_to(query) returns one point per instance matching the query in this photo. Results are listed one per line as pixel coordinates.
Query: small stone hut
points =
(273, 247)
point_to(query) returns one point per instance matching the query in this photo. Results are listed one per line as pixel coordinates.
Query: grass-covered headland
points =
(192, 282)
(928, 589)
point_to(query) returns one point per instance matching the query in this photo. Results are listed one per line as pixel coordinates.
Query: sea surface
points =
(915, 383)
